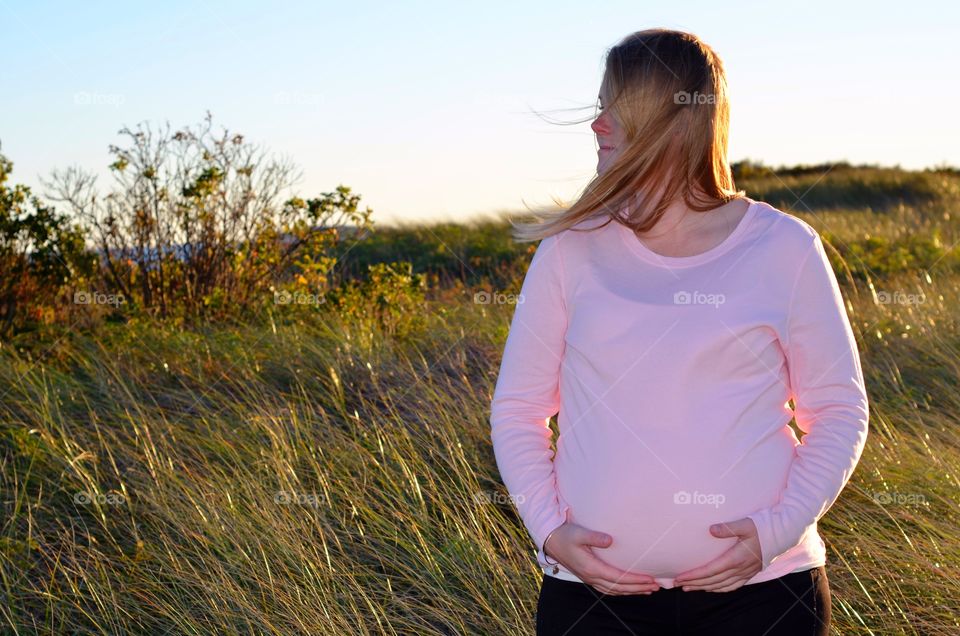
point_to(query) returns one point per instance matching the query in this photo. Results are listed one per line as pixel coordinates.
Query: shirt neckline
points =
(641, 250)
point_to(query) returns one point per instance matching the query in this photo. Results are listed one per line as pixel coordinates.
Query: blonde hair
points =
(668, 91)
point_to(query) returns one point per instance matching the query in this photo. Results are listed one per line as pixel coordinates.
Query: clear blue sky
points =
(426, 109)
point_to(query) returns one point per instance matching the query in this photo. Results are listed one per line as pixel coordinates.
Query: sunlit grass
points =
(316, 475)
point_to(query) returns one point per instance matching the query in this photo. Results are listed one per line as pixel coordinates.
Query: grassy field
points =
(328, 472)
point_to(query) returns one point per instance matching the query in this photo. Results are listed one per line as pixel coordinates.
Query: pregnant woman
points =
(677, 327)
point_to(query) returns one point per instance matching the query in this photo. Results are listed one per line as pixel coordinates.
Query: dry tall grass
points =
(314, 476)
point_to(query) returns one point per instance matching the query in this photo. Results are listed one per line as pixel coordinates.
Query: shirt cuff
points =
(775, 534)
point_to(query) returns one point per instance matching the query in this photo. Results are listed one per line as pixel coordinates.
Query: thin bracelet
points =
(555, 568)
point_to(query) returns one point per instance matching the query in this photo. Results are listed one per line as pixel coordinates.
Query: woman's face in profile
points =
(610, 137)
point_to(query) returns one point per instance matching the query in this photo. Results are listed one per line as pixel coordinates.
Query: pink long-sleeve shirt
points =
(672, 377)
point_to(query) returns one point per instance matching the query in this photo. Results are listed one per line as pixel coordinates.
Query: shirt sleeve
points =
(830, 401)
(527, 394)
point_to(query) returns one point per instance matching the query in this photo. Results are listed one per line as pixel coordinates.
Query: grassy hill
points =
(328, 470)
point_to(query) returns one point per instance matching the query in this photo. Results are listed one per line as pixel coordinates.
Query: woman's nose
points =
(600, 125)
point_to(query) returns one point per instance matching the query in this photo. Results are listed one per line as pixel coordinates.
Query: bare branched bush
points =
(197, 224)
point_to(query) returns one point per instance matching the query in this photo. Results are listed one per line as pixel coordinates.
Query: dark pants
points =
(796, 604)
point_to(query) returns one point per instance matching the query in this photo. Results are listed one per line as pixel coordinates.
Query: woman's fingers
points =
(599, 569)
(611, 580)
(708, 581)
(606, 578)
(619, 589)
(718, 586)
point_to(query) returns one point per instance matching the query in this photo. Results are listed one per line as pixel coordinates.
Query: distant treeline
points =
(483, 253)
(841, 185)
(196, 229)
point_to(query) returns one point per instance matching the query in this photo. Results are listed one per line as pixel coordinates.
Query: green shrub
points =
(391, 298)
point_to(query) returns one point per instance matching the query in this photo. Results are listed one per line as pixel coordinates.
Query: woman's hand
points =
(731, 569)
(572, 545)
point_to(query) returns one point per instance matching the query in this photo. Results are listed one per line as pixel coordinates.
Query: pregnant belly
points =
(659, 512)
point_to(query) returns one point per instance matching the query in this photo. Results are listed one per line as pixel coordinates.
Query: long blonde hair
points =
(668, 90)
